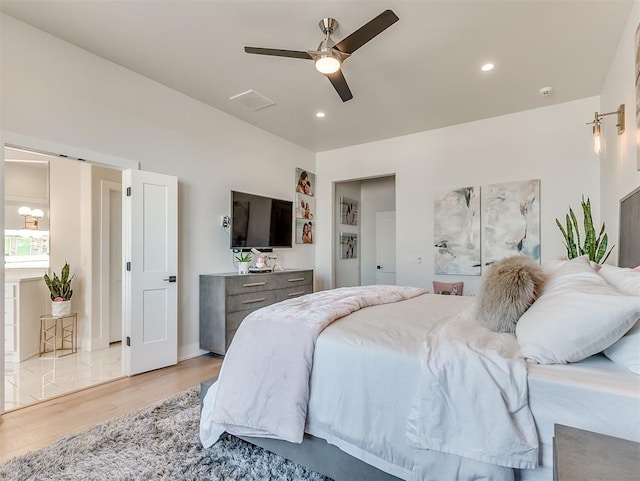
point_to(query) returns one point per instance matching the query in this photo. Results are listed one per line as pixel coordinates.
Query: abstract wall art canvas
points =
(511, 220)
(457, 232)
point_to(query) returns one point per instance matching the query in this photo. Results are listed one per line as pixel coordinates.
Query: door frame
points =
(19, 141)
(106, 188)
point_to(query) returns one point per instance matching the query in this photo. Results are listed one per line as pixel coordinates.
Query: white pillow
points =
(577, 315)
(623, 279)
(626, 350)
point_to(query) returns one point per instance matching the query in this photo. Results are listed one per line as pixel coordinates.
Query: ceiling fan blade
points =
(340, 84)
(278, 53)
(368, 31)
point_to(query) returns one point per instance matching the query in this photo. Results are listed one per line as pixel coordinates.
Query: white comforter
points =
(472, 396)
(263, 387)
(368, 380)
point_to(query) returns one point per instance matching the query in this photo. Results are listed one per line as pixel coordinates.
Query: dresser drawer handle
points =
(297, 279)
(295, 294)
(253, 284)
(252, 301)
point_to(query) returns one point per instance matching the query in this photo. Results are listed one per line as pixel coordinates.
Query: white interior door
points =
(386, 248)
(150, 290)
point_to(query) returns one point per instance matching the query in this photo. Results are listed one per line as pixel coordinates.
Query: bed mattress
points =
(595, 395)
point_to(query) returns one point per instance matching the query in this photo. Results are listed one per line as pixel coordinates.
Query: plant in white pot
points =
(60, 291)
(243, 259)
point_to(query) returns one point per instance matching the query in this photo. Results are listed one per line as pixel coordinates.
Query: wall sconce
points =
(31, 217)
(597, 121)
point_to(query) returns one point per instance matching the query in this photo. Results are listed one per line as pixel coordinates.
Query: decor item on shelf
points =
(595, 248)
(243, 259)
(448, 288)
(31, 217)
(60, 292)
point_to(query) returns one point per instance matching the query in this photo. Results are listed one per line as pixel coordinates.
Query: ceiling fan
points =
(329, 55)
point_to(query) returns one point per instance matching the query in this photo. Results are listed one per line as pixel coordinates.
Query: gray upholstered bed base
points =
(317, 455)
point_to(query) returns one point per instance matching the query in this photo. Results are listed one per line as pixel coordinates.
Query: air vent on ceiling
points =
(252, 99)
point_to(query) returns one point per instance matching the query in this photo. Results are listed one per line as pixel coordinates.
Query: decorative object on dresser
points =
(243, 259)
(226, 299)
(60, 292)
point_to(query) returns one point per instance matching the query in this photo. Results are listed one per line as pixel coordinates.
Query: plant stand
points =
(59, 334)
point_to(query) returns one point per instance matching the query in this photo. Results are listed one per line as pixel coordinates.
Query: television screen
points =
(258, 221)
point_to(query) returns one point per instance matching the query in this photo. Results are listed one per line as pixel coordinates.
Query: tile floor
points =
(39, 378)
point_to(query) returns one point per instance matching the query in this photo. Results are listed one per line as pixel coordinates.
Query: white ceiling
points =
(420, 74)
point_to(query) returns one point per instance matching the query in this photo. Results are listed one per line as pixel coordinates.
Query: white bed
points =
(366, 367)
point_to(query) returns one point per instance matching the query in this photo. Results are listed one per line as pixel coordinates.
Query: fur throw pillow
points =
(509, 288)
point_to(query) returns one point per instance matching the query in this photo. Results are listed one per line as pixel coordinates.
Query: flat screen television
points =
(260, 222)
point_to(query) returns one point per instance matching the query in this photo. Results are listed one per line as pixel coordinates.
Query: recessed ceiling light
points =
(487, 67)
(320, 115)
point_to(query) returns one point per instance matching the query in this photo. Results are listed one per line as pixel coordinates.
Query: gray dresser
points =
(226, 299)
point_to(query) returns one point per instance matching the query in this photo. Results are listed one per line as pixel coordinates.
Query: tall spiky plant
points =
(60, 286)
(595, 248)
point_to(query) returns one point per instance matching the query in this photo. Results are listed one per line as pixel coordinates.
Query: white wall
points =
(58, 93)
(552, 144)
(619, 166)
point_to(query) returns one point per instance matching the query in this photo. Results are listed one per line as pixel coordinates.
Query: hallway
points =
(41, 378)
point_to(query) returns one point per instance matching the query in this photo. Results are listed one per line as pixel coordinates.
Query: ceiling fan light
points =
(327, 64)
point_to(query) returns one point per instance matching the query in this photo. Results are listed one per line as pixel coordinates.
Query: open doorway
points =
(367, 197)
(80, 224)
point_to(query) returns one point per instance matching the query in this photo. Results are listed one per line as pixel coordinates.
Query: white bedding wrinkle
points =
(472, 396)
(263, 387)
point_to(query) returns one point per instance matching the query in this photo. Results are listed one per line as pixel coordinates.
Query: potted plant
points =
(594, 247)
(243, 259)
(60, 291)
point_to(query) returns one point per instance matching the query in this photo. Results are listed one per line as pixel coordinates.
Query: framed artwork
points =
(305, 182)
(457, 232)
(305, 207)
(304, 231)
(348, 245)
(348, 211)
(511, 219)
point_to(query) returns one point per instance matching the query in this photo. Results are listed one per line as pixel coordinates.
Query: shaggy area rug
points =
(156, 443)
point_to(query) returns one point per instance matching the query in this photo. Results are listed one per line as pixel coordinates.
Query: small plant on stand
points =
(60, 292)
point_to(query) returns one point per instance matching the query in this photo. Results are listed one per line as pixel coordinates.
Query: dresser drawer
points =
(234, 319)
(248, 283)
(252, 300)
(292, 279)
(296, 291)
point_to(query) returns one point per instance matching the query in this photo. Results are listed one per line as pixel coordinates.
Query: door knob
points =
(170, 279)
(378, 267)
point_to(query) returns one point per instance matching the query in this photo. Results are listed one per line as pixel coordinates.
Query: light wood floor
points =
(39, 425)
